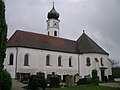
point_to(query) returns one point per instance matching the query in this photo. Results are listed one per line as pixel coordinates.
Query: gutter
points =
(78, 64)
(16, 62)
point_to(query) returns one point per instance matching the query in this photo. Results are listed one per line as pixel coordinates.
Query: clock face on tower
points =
(55, 24)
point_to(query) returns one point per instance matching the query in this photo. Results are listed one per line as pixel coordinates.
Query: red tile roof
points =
(39, 41)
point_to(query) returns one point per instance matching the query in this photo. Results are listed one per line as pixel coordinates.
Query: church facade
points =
(28, 53)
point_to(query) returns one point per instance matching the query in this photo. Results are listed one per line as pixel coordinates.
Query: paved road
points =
(16, 85)
(114, 84)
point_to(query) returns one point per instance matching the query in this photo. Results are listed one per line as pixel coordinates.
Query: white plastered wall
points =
(37, 62)
(85, 70)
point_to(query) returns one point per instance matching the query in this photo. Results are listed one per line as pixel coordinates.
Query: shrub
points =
(42, 82)
(54, 81)
(33, 82)
(95, 77)
(89, 80)
(6, 80)
(36, 81)
(82, 81)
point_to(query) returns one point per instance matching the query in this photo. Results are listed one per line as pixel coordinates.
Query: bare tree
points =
(115, 63)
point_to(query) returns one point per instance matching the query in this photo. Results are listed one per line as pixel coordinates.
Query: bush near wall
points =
(95, 77)
(116, 72)
(37, 81)
(54, 80)
(33, 82)
(89, 80)
(82, 81)
(6, 80)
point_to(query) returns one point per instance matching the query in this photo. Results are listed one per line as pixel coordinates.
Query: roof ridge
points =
(44, 35)
(41, 41)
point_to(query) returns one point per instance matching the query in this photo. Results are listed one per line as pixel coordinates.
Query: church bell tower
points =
(53, 22)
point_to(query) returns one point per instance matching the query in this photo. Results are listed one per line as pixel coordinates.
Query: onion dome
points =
(53, 14)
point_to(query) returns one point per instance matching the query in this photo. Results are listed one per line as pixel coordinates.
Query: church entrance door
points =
(102, 74)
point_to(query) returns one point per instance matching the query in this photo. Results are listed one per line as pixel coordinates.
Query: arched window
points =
(11, 59)
(88, 61)
(59, 61)
(101, 61)
(48, 60)
(55, 33)
(70, 61)
(26, 60)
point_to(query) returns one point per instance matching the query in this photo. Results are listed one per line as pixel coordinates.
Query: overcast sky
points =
(99, 18)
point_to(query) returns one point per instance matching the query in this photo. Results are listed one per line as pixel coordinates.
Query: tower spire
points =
(53, 13)
(53, 22)
(53, 3)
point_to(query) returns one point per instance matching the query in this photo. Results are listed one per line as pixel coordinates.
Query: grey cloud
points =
(100, 19)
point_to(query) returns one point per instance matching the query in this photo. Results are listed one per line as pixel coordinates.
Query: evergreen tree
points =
(3, 35)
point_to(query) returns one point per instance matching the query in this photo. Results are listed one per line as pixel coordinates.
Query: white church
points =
(28, 53)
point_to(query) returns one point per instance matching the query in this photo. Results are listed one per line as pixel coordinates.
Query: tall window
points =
(55, 33)
(70, 61)
(26, 60)
(59, 61)
(48, 60)
(11, 59)
(101, 61)
(88, 61)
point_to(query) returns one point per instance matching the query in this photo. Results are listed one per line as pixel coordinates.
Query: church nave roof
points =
(40, 41)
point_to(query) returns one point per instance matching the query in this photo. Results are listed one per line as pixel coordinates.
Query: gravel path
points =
(114, 84)
(16, 85)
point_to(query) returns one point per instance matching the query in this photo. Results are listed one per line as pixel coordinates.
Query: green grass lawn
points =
(87, 87)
